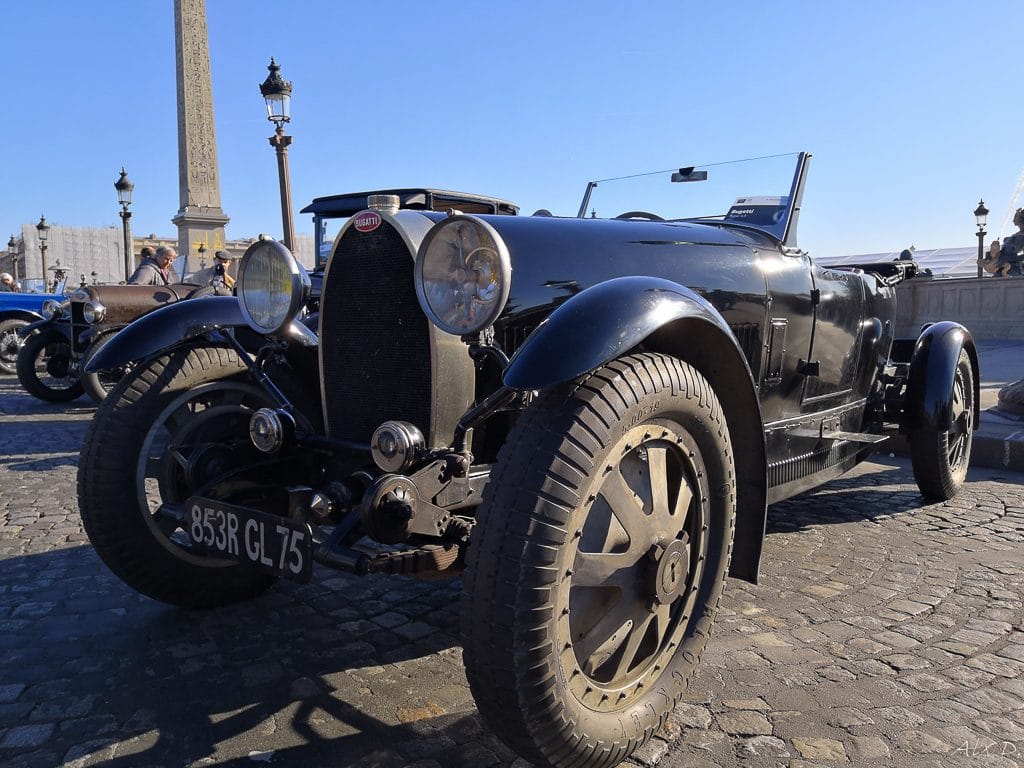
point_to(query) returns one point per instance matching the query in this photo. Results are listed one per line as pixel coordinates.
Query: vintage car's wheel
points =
(166, 430)
(45, 367)
(9, 343)
(598, 560)
(97, 385)
(940, 459)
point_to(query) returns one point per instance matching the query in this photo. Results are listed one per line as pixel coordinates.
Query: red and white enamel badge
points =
(367, 221)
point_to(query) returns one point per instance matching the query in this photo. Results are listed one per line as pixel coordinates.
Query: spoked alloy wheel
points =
(941, 459)
(166, 431)
(639, 557)
(9, 343)
(598, 561)
(46, 369)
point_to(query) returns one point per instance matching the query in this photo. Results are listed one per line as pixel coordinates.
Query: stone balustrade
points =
(990, 307)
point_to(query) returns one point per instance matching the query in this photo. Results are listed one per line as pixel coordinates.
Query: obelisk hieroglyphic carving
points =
(200, 218)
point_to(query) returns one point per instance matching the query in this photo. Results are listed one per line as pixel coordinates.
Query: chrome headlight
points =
(463, 275)
(94, 312)
(53, 308)
(272, 286)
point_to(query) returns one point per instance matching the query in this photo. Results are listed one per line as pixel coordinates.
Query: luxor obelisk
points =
(200, 219)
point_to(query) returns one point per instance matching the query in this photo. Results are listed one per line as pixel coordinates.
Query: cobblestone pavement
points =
(884, 632)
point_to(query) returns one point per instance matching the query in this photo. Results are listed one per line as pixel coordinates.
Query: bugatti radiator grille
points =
(374, 338)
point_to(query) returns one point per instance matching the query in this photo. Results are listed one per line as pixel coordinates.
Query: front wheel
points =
(97, 385)
(598, 561)
(45, 367)
(940, 459)
(169, 428)
(9, 344)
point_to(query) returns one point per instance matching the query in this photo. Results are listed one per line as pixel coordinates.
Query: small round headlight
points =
(94, 312)
(272, 286)
(52, 308)
(463, 275)
(395, 445)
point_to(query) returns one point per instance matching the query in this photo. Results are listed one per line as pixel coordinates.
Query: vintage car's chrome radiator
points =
(374, 338)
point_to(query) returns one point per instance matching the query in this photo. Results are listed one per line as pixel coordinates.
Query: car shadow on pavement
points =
(872, 493)
(345, 671)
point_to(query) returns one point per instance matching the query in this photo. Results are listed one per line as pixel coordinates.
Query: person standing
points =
(153, 268)
(219, 275)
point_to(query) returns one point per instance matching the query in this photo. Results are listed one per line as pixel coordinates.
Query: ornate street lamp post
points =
(44, 232)
(124, 189)
(981, 217)
(278, 94)
(11, 245)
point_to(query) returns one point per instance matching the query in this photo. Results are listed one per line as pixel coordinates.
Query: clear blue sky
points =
(912, 110)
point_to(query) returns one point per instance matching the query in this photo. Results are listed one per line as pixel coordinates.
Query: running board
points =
(829, 434)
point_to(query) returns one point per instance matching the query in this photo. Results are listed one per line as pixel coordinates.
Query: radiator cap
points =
(384, 203)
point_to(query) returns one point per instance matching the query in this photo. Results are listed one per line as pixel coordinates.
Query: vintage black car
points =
(589, 416)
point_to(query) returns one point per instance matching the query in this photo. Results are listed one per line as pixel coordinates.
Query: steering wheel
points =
(640, 215)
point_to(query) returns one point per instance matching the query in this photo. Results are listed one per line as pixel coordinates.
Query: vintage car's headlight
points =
(53, 308)
(94, 312)
(272, 286)
(463, 273)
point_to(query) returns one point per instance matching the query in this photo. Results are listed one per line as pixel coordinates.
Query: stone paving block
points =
(869, 748)
(820, 749)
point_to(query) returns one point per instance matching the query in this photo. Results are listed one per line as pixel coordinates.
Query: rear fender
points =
(928, 403)
(615, 317)
(176, 324)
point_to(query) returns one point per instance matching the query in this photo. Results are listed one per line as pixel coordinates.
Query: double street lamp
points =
(124, 189)
(981, 217)
(11, 245)
(44, 232)
(278, 94)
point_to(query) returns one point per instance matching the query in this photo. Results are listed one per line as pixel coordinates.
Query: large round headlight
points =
(463, 274)
(52, 308)
(93, 312)
(272, 286)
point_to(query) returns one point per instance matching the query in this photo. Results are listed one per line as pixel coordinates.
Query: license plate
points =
(269, 543)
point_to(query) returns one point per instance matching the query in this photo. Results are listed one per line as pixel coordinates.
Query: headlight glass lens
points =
(463, 274)
(94, 312)
(52, 308)
(272, 286)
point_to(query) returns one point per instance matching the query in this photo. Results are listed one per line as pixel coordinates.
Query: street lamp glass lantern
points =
(124, 189)
(981, 214)
(278, 94)
(43, 229)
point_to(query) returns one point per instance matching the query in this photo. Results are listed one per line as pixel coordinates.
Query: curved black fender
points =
(612, 318)
(928, 403)
(176, 323)
(27, 330)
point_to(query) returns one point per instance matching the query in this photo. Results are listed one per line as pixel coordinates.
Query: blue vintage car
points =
(16, 311)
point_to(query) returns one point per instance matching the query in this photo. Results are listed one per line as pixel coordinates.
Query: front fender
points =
(27, 330)
(600, 324)
(166, 327)
(928, 403)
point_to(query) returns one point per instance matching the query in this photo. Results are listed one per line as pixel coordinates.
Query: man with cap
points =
(219, 275)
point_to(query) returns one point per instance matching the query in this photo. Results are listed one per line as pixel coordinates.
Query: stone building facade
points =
(95, 254)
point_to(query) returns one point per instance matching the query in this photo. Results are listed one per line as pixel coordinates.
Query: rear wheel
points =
(940, 459)
(169, 428)
(9, 343)
(45, 367)
(598, 560)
